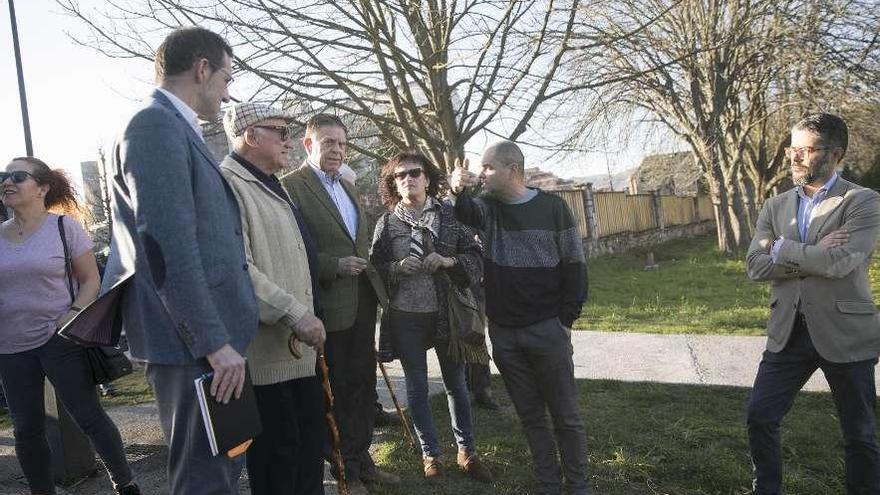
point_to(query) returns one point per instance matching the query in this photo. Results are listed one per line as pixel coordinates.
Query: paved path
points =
(717, 360)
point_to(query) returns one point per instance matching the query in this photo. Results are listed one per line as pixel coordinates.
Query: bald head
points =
(505, 153)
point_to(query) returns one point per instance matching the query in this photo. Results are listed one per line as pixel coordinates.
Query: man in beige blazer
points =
(287, 457)
(814, 244)
(349, 290)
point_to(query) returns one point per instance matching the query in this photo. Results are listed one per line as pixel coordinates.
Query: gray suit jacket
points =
(176, 225)
(830, 285)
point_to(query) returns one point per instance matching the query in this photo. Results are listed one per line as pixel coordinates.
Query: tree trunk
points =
(732, 227)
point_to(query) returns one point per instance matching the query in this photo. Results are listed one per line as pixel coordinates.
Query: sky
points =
(79, 99)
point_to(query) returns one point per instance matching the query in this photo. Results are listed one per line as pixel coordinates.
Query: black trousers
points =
(287, 458)
(65, 365)
(351, 358)
(780, 376)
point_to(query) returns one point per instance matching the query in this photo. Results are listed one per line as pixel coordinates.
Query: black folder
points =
(230, 427)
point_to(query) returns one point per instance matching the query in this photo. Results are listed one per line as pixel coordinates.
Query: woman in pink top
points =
(34, 303)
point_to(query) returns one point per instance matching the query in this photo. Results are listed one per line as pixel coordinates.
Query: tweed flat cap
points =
(243, 115)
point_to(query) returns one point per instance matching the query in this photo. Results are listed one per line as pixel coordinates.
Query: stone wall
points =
(626, 241)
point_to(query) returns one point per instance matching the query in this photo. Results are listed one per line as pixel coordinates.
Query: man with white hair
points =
(282, 262)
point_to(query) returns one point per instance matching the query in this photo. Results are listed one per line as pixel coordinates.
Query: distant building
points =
(668, 173)
(97, 207)
(535, 177)
(93, 191)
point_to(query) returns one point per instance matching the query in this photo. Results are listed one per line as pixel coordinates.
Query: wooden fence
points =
(613, 213)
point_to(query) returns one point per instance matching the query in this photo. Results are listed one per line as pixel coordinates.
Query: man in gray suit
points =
(814, 244)
(190, 307)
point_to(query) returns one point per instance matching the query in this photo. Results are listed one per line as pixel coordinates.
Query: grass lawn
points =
(696, 290)
(643, 438)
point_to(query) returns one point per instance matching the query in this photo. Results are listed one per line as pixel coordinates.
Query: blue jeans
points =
(780, 376)
(65, 364)
(412, 335)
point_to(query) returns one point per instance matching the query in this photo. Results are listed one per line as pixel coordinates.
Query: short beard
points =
(804, 179)
(819, 171)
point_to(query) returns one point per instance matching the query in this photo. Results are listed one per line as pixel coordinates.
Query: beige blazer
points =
(278, 266)
(830, 285)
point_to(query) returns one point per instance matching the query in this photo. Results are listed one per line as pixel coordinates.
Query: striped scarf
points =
(418, 226)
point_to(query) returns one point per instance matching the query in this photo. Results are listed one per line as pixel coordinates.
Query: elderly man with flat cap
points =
(282, 263)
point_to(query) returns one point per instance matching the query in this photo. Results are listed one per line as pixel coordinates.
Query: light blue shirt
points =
(806, 205)
(345, 205)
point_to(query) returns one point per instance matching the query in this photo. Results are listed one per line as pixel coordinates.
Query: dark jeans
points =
(288, 456)
(780, 376)
(411, 335)
(64, 364)
(351, 358)
(538, 371)
(191, 467)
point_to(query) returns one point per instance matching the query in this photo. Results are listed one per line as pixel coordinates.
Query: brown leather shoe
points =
(473, 466)
(433, 468)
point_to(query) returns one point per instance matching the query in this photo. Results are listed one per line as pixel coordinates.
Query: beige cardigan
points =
(279, 269)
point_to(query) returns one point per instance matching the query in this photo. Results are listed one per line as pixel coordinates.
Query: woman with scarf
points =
(423, 253)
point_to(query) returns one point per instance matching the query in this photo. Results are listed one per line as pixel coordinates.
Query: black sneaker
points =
(385, 418)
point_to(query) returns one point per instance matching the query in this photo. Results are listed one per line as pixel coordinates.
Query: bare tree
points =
(429, 74)
(729, 75)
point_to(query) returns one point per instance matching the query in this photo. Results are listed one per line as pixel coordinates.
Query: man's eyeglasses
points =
(793, 151)
(17, 176)
(283, 131)
(415, 173)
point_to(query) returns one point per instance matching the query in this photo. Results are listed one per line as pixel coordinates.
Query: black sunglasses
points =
(17, 176)
(282, 130)
(415, 173)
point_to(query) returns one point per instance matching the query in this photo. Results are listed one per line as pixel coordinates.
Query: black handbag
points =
(107, 363)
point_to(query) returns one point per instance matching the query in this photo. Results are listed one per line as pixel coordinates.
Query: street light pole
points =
(25, 120)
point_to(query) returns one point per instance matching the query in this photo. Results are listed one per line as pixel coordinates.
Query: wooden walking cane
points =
(412, 440)
(331, 422)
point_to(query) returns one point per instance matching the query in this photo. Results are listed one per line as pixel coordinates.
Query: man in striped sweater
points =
(536, 282)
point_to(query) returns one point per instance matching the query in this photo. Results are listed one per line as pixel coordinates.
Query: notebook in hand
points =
(230, 427)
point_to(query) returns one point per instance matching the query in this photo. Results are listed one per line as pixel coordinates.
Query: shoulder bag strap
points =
(68, 268)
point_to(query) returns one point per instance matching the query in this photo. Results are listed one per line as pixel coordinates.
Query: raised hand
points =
(462, 178)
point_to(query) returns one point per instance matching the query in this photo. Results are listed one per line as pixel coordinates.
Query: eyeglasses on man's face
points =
(282, 130)
(793, 151)
(17, 176)
(415, 173)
